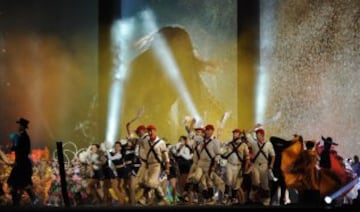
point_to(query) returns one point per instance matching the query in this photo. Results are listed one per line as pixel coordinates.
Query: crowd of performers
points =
(199, 169)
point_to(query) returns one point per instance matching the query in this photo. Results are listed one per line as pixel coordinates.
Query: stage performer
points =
(191, 188)
(157, 158)
(262, 163)
(238, 159)
(209, 156)
(21, 174)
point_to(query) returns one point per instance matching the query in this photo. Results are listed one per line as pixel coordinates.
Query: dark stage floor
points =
(180, 208)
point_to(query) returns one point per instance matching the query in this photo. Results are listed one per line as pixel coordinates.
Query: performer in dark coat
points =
(20, 176)
(279, 145)
(325, 161)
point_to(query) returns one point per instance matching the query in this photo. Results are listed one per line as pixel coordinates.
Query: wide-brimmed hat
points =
(23, 122)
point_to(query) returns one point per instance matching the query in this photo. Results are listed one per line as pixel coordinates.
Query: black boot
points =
(188, 187)
(15, 197)
(210, 193)
(205, 194)
(234, 193)
(1, 189)
(227, 191)
(210, 196)
(195, 187)
(34, 199)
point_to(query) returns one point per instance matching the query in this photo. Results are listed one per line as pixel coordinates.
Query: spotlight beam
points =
(121, 34)
(267, 27)
(167, 60)
(342, 191)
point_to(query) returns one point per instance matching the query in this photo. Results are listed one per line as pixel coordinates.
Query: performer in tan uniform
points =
(238, 159)
(156, 158)
(262, 163)
(137, 181)
(209, 156)
(191, 187)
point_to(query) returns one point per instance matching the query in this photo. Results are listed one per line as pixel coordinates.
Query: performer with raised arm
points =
(138, 167)
(191, 187)
(262, 163)
(209, 156)
(138, 180)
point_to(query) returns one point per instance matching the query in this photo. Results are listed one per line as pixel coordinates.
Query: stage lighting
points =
(167, 60)
(121, 34)
(267, 27)
(342, 191)
(328, 200)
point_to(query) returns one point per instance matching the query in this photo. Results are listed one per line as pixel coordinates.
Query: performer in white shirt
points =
(191, 188)
(184, 158)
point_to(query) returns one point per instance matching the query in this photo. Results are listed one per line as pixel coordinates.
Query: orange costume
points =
(300, 170)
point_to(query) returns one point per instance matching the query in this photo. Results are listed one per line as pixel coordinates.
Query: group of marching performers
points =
(198, 169)
(145, 169)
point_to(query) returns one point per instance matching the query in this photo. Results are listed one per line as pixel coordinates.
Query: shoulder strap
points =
(260, 151)
(152, 150)
(234, 150)
(189, 147)
(197, 151)
(206, 149)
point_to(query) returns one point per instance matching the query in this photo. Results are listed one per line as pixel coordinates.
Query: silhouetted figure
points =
(148, 83)
(20, 176)
(279, 145)
(325, 161)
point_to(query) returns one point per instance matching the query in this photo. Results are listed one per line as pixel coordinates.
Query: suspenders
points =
(152, 150)
(203, 148)
(234, 150)
(189, 147)
(260, 151)
(206, 149)
(197, 152)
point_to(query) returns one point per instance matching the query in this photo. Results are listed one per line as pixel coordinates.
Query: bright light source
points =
(328, 200)
(121, 35)
(267, 27)
(342, 191)
(261, 94)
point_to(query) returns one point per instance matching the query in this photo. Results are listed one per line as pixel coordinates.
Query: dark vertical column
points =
(59, 147)
(108, 11)
(248, 14)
